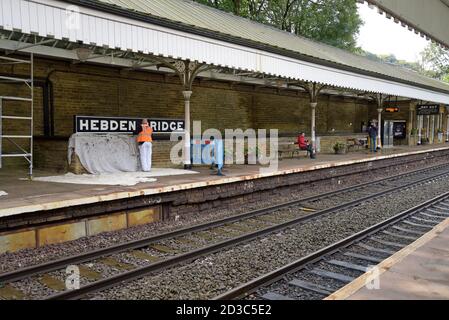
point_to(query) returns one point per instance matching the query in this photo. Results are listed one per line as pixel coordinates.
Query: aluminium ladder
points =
(25, 102)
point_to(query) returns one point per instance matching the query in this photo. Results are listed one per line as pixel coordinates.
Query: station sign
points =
(427, 109)
(91, 124)
(392, 109)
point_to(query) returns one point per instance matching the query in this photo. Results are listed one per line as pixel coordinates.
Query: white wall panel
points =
(32, 8)
(58, 22)
(25, 18)
(7, 14)
(16, 15)
(41, 21)
(48, 17)
(49, 25)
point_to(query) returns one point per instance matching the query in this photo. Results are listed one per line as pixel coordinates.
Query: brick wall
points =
(93, 90)
(327, 142)
(51, 154)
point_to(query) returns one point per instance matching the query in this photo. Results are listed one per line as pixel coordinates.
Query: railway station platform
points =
(420, 271)
(36, 213)
(29, 196)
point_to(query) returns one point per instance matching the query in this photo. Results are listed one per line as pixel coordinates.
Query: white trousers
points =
(146, 150)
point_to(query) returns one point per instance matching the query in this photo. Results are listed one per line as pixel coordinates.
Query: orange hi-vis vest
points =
(145, 135)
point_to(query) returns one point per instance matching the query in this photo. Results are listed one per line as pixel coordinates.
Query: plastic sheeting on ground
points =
(122, 178)
(105, 153)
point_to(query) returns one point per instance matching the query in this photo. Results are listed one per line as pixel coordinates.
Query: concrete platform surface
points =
(418, 272)
(31, 196)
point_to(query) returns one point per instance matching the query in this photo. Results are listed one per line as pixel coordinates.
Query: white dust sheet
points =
(113, 179)
(105, 153)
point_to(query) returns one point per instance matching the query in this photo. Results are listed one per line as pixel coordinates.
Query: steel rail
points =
(26, 272)
(207, 250)
(276, 275)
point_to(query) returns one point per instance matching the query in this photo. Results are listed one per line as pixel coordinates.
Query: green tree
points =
(436, 61)
(391, 59)
(335, 22)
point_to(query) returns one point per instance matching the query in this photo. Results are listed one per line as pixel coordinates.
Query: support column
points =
(420, 126)
(379, 129)
(432, 129)
(187, 72)
(428, 128)
(313, 126)
(379, 98)
(187, 161)
(313, 89)
(413, 123)
(447, 128)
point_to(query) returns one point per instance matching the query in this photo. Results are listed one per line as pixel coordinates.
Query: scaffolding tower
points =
(26, 101)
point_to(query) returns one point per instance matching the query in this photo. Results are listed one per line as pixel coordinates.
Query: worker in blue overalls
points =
(216, 155)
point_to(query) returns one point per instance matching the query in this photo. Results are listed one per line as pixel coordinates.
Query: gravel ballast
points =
(30, 257)
(212, 275)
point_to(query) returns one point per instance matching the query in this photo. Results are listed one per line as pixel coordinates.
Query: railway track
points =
(322, 273)
(167, 250)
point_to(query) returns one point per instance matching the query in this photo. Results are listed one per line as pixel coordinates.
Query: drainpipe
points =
(49, 93)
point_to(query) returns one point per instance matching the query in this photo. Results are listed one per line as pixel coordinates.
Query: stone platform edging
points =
(39, 236)
(353, 287)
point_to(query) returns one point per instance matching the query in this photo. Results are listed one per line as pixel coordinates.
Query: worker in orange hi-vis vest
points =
(145, 145)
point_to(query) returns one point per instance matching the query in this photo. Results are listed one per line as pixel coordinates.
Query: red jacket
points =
(302, 142)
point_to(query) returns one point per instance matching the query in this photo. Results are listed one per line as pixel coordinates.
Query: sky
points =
(380, 35)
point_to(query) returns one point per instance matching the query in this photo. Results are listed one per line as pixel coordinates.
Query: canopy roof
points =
(187, 30)
(192, 14)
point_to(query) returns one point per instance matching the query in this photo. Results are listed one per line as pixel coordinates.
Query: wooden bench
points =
(291, 149)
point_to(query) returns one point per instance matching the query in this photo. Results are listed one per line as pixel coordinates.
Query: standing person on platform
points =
(304, 144)
(372, 131)
(145, 141)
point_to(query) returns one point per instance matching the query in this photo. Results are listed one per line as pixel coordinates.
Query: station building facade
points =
(91, 90)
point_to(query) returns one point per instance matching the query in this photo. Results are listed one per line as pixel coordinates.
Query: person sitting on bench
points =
(304, 144)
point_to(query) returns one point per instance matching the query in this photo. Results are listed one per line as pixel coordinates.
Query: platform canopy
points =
(427, 18)
(185, 30)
